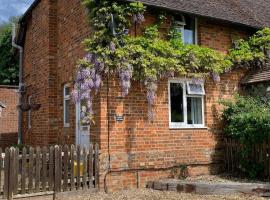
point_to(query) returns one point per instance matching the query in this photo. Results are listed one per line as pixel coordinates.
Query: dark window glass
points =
(66, 91)
(177, 113)
(67, 111)
(189, 30)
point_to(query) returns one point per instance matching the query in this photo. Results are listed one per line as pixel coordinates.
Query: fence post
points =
(6, 172)
(11, 173)
(96, 166)
(90, 166)
(57, 170)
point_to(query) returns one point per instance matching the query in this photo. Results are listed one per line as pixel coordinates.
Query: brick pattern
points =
(60, 27)
(9, 116)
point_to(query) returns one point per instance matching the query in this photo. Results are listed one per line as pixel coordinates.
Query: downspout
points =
(21, 85)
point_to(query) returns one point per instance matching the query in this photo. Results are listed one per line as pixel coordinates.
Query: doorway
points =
(82, 130)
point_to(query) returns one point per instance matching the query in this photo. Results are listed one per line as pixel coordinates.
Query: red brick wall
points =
(40, 60)
(52, 47)
(73, 28)
(9, 116)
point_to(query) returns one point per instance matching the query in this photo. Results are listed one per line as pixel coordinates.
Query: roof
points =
(261, 75)
(252, 13)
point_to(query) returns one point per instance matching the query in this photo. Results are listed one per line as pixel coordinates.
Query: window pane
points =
(66, 111)
(66, 91)
(189, 32)
(194, 110)
(195, 89)
(177, 114)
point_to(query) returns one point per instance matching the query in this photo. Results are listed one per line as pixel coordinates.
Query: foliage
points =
(180, 172)
(148, 57)
(251, 52)
(8, 60)
(247, 119)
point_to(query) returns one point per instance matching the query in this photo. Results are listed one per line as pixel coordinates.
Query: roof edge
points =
(204, 16)
(36, 2)
(28, 11)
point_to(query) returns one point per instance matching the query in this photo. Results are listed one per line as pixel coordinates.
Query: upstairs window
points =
(187, 25)
(186, 104)
(66, 105)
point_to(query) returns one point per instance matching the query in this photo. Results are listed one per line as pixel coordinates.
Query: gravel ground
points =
(223, 178)
(147, 194)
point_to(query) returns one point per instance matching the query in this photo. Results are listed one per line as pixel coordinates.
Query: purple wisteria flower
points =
(87, 80)
(138, 18)
(216, 77)
(125, 75)
(197, 80)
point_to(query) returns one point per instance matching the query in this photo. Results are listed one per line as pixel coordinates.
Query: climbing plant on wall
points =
(147, 58)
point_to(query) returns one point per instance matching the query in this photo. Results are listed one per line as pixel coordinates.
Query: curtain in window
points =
(194, 110)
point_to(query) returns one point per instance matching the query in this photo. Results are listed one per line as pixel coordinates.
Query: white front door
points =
(82, 131)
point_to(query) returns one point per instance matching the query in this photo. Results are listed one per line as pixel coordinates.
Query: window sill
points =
(66, 126)
(187, 127)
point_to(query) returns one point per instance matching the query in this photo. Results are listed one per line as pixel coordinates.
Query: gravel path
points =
(223, 178)
(147, 194)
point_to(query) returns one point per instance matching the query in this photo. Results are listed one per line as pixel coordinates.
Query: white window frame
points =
(66, 98)
(190, 92)
(29, 125)
(184, 125)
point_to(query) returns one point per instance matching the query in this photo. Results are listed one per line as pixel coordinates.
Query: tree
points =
(9, 68)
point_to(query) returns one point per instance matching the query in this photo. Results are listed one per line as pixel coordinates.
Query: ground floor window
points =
(186, 104)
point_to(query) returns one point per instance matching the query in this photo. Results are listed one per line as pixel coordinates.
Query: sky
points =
(9, 8)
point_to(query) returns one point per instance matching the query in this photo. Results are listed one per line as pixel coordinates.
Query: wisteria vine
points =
(146, 58)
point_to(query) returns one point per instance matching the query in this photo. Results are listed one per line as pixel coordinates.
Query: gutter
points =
(21, 85)
(28, 11)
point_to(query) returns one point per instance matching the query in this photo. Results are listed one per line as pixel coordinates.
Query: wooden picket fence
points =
(48, 169)
(260, 153)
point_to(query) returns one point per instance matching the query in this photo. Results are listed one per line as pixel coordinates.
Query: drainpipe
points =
(21, 85)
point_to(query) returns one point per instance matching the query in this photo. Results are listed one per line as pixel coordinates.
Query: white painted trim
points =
(65, 98)
(184, 125)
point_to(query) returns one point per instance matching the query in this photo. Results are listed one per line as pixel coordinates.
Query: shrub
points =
(247, 119)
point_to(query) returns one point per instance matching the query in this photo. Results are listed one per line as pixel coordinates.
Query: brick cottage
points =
(8, 115)
(51, 33)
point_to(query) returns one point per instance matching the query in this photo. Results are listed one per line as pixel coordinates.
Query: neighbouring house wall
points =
(9, 116)
(135, 142)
